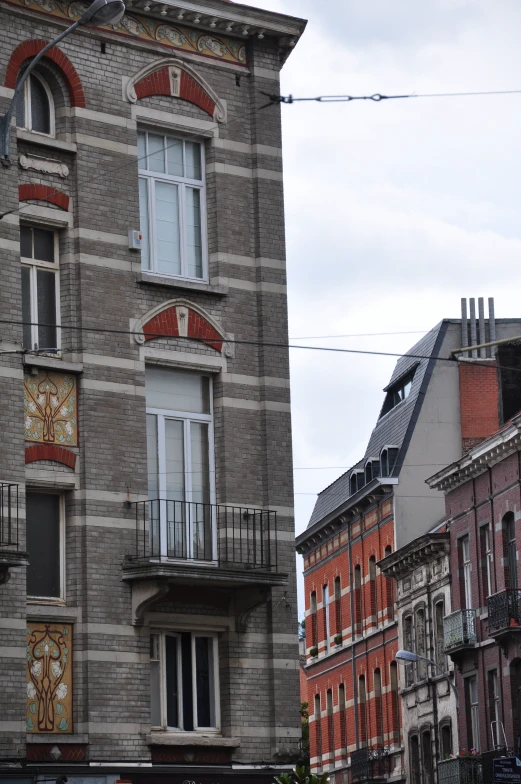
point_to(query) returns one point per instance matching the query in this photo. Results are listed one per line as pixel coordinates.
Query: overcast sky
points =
(395, 210)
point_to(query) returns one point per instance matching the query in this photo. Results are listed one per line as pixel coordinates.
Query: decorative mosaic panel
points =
(50, 408)
(49, 678)
(177, 37)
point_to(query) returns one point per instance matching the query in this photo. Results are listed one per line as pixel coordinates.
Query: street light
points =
(409, 656)
(100, 12)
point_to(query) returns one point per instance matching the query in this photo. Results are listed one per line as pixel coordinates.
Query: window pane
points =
(194, 243)
(167, 228)
(201, 512)
(43, 544)
(46, 296)
(172, 682)
(177, 390)
(155, 681)
(20, 107)
(156, 153)
(26, 242)
(153, 486)
(26, 307)
(193, 160)
(144, 223)
(43, 244)
(204, 682)
(141, 151)
(40, 108)
(174, 156)
(175, 488)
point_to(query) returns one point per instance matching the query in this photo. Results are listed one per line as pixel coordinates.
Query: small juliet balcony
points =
(10, 555)
(459, 631)
(370, 764)
(504, 613)
(195, 543)
(461, 770)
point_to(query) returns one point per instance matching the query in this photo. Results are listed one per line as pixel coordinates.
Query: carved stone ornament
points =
(44, 165)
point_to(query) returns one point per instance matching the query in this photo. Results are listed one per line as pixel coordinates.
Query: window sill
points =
(177, 283)
(190, 739)
(53, 364)
(45, 141)
(37, 738)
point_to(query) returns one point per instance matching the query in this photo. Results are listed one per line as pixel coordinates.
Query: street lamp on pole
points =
(409, 656)
(99, 12)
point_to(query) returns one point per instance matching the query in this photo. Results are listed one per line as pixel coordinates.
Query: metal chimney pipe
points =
(464, 323)
(491, 324)
(473, 335)
(482, 335)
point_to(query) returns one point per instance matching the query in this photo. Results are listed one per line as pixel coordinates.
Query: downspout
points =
(352, 604)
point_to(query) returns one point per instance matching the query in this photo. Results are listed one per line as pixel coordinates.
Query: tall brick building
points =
(432, 413)
(147, 601)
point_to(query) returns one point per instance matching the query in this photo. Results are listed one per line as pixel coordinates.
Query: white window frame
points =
(186, 417)
(489, 557)
(34, 265)
(467, 570)
(28, 120)
(61, 599)
(496, 720)
(151, 177)
(474, 710)
(163, 634)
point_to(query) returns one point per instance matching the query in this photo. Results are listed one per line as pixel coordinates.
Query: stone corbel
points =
(245, 603)
(143, 595)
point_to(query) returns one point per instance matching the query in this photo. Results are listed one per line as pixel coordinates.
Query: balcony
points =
(461, 770)
(370, 764)
(459, 631)
(504, 612)
(194, 543)
(10, 555)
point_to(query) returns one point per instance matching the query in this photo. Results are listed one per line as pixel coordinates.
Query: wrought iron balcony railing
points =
(370, 763)
(226, 536)
(461, 770)
(8, 516)
(459, 630)
(504, 611)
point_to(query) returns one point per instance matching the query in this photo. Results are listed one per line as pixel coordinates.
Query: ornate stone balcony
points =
(504, 612)
(459, 631)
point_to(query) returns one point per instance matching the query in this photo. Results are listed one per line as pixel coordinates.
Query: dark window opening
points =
(43, 545)
(509, 365)
(397, 393)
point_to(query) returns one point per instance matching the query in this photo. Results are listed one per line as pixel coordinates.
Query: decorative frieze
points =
(50, 408)
(49, 678)
(44, 165)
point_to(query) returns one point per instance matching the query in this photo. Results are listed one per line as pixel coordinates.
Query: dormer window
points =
(35, 106)
(397, 392)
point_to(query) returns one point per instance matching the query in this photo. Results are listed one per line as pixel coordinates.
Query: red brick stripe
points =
(30, 49)
(165, 325)
(43, 193)
(50, 452)
(158, 83)
(192, 91)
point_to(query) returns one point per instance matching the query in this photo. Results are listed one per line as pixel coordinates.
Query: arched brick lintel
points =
(43, 193)
(32, 48)
(50, 452)
(159, 83)
(166, 324)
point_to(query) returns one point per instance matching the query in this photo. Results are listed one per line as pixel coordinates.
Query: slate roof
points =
(395, 427)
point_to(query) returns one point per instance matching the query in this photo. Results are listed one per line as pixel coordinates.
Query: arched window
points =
(414, 759)
(368, 472)
(421, 643)
(338, 606)
(317, 721)
(427, 764)
(35, 106)
(408, 643)
(313, 611)
(395, 702)
(362, 711)
(509, 539)
(358, 600)
(330, 727)
(389, 589)
(343, 723)
(373, 605)
(378, 706)
(439, 612)
(352, 484)
(327, 628)
(446, 738)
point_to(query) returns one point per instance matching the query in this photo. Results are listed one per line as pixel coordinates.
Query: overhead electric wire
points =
(378, 97)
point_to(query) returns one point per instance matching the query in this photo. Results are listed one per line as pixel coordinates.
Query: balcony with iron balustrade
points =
(461, 770)
(10, 554)
(370, 764)
(504, 613)
(197, 543)
(459, 632)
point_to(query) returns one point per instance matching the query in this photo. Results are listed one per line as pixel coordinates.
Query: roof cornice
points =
(402, 562)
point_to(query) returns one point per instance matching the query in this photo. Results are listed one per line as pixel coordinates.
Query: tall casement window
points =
(487, 559)
(172, 206)
(44, 515)
(409, 646)
(466, 571)
(428, 770)
(330, 727)
(378, 707)
(362, 711)
(358, 600)
(35, 107)
(327, 623)
(446, 738)
(180, 464)
(338, 606)
(421, 642)
(317, 720)
(343, 722)
(414, 759)
(395, 701)
(515, 684)
(439, 612)
(184, 681)
(389, 589)
(313, 611)
(373, 609)
(509, 538)
(472, 711)
(493, 697)
(40, 288)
